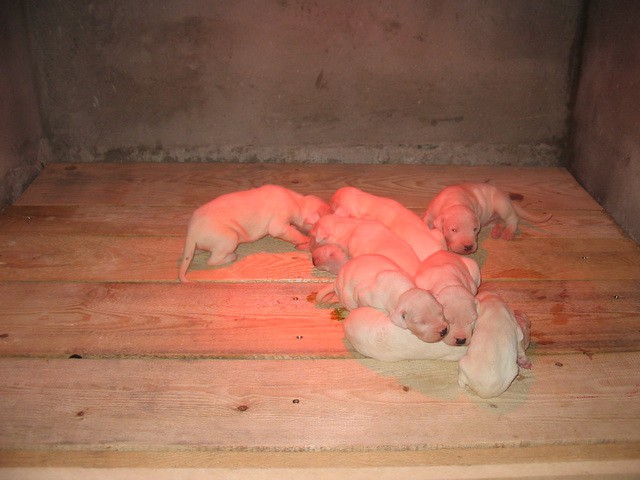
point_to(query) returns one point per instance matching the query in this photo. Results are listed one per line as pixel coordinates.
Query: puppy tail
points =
(327, 294)
(531, 217)
(187, 256)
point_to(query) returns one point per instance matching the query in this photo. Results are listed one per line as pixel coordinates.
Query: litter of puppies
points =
(411, 292)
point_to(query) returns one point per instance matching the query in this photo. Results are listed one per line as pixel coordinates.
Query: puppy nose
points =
(444, 332)
(468, 248)
(461, 341)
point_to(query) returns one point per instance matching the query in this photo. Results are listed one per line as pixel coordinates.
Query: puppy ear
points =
(428, 219)
(319, 234)
(438, 223)
(341, 211)
(312, 218)
(398, 318)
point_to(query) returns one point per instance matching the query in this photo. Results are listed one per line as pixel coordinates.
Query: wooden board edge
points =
(223, 459)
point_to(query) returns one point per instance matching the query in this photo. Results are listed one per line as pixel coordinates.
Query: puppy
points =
(358, 237)
(374, 335)
(373, 280)
(497, 348)
(460, 211)
(453, 281)
(355, 203)
(240, 217)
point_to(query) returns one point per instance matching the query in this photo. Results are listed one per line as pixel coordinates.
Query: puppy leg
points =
(219, 258)
(509, 219)
(498, 229)
(290, 234)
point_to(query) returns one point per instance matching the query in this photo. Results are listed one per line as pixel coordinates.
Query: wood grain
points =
(171, 221)
(285, 404)
(243, 369)
(308, 461)
(124, 259)
(196, 183)
(270, 320)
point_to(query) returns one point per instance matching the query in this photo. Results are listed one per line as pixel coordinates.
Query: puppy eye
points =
(454, 230)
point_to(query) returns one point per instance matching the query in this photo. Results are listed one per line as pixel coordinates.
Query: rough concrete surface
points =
(606, 156)
(23, 149)
(185, 79)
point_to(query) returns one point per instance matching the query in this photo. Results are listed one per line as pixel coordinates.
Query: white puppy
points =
(497, 348)
(374, 335)
(460, 211)
(454, 281)
(357, 237)
(373, 280)
(240, 217)
(355, 203)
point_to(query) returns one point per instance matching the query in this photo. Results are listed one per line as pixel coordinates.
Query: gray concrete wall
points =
(606, 156)
(22, 147)
(462, 81)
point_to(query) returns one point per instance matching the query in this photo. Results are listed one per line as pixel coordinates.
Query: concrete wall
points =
(22, 148)
(463, 81)
(606, 159)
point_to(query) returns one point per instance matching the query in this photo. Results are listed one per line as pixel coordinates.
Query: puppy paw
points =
(303, 246)
(508, 234)
(496, 232)
(524, 362)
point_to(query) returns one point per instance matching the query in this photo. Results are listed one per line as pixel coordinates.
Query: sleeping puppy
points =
(454, 282)
(357, 237)
(460, 211)
(355, 203)
(240, 217)
(497, 348)
(373, 280)
(374, 335)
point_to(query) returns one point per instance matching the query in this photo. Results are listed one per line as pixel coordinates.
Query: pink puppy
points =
(357, 237)
(355, 203)
(454, 281)
(374, 335)
(460, 211)
(240, 217)
(497, 348)
(375, 281)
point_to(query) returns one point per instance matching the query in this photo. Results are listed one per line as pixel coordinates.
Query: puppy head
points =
(329, 257)
(312, 209)
(460, 227)
(418, 311)
(460, 309)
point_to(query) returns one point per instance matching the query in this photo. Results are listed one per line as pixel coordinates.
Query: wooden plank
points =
(123, 220)
(143, 259)
(311, 404)
(576, 315)
(172, 221)
(559, 259)
(215, 320)
(576, 470)
(307, 460)
(196, 183)
(123, 259)
(275, 320)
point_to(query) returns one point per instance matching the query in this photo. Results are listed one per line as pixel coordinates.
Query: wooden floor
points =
(107, 361)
